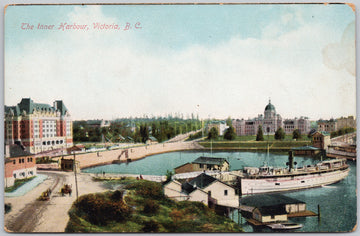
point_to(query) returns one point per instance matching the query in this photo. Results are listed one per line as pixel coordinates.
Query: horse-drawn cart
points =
(66, 189)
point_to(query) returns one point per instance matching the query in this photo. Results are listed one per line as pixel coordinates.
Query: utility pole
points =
(76, 184)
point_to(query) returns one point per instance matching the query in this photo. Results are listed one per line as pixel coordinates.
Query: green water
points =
(337, 202)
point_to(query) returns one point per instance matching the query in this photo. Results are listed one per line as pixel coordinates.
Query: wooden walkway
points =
(255, 222)
(302, 214)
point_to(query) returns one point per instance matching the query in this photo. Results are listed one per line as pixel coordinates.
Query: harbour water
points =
(337, 202)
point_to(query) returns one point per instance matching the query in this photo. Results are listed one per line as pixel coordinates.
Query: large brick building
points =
(270, 122)
(327, 125)
(346, 122)
(38, 127)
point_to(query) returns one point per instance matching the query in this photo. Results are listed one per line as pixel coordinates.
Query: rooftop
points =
(28, 106)
(270, 107)
(16, 150)
(306, 148)
(322, 132)
(210, 160)
(266, 200)
(152, 138)
(202, 181)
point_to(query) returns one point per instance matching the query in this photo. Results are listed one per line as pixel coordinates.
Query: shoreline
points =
(282, 151)
(137, 159)
(102, 158)
(93, 159)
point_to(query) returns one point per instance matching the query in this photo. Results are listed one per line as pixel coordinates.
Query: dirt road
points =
(30, 215)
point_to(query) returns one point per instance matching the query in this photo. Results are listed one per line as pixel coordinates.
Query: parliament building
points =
(270, 122)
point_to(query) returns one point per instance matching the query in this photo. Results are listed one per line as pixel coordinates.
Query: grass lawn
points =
(140, 206)
(18, 183)
(288, 137)
(254, 144)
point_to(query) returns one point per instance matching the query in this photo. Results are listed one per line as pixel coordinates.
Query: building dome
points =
(270, 107)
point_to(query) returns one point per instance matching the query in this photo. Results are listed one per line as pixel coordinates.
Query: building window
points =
(15, 175)
(225, 192)
(272, 217)
(14, 162)
(201, 165)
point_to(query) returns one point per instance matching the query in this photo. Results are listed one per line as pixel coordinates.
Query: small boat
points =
(285, 226)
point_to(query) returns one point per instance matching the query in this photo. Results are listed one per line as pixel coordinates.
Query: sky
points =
(213, 60)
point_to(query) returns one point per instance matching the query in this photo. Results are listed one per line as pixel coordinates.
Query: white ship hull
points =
(266, 184)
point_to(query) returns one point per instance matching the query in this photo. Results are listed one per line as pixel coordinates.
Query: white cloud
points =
(103, 75)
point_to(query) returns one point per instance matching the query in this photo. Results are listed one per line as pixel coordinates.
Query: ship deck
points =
(298, 172)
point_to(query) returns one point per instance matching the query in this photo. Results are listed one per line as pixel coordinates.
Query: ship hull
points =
(268, 184)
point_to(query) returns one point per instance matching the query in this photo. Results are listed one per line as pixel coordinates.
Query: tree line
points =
(133, 130)
(230, 134)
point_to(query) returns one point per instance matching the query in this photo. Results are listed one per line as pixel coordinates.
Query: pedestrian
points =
(70, 192)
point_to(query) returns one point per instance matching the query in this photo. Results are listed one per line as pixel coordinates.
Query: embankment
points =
(92, 159)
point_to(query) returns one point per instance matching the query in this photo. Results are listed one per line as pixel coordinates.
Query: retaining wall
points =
(107, 157)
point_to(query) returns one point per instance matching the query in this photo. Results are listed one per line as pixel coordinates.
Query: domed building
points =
(270, 122)
(270, 111)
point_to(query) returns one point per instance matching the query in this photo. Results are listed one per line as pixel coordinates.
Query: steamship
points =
(269, 179)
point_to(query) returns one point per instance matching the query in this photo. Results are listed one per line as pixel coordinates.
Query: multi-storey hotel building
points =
(270, 122)
(38, 127)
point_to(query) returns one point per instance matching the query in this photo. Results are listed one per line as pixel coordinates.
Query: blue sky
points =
(228, 59)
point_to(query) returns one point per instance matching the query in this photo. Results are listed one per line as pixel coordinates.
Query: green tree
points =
(169, 175)
(280, 134)
(296, 134)
(213, 133)
(144, 133)
(229, 121)
(230, 133)
(260, 135)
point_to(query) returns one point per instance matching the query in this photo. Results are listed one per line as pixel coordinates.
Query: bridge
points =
(343, 146)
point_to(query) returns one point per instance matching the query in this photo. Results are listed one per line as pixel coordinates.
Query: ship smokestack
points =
(291, 160)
